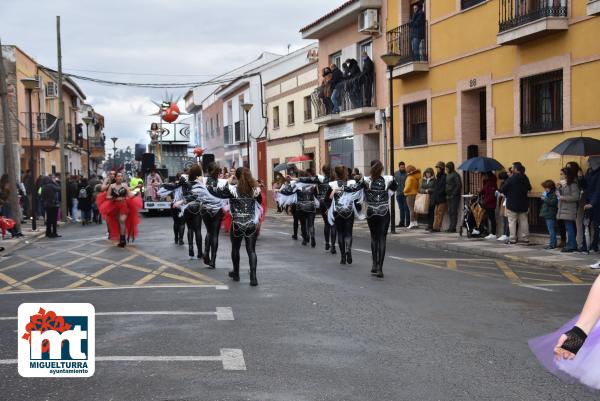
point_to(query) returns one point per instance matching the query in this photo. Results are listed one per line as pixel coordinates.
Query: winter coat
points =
(427, 184)
(411, 185)
(417, 25)
(72, 189)
(439, 192)
(568, 202)
(84, 204)
(337, 76)
(453, 182)
(488, 192)
(400, 178)
(549, 207)
(326, 86)
(50, 193)
(593, 188)
(368, 69)
(515, 189)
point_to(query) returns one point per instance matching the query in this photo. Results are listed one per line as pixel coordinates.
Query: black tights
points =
(344, 231)
(193, 221)
(378, 225)
(211, 241)
(329, 230)
(51, 220)
(236, 242)
(307, 224)
(178, 225)
(296, 220)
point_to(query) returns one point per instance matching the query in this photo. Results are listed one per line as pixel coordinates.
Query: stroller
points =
(474, 217)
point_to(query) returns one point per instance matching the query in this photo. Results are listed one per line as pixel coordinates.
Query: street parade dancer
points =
(175, 190)
(324, 204)
(346, 196)
(212, 215)
(573, 352)
(306, 206)
(377, 197)
(246, 212)
(120, 210)
(192, 209)
(101, 197)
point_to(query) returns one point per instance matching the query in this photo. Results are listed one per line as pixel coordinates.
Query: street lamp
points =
(87, 121)
(114, 139)
(247, 107)
(30, 84)
(391, 60)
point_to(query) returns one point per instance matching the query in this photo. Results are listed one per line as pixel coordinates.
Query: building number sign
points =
(472, 83)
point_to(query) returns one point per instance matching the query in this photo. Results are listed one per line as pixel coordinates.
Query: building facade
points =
(508, 79)
(351, 135)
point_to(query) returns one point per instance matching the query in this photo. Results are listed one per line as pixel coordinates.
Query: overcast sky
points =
(172, 37)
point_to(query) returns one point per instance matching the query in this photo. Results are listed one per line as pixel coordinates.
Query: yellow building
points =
(508, 79)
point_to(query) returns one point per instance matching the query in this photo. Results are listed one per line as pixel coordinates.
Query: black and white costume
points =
(212, 215)
(246, 211)
(306, 207)
(324, 204)
(377, 199)
(176, 192)
(347, 197)
(193, 219)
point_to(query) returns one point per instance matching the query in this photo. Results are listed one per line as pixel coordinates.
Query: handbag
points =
(422, 202)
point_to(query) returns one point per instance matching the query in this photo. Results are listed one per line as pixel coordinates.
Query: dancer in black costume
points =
(178, 220)
(191, 215)
(377, 197)
(245, 206)
(342, 212)
(306, 208)
(324, 204)
(212, 219)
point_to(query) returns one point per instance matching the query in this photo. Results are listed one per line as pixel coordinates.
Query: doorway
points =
(473, 116)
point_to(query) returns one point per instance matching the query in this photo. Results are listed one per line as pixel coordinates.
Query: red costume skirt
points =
(111, 210)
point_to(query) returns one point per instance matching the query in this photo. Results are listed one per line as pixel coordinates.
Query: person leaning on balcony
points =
(417, 30)
(439, 197)
(568, 194)
(427, 187)
(325, 90)
(453, 192)
(516, 189)
(367, 78)
(411, 189)
(337, 77)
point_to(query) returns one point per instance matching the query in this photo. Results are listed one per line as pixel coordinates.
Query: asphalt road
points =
(439, 326)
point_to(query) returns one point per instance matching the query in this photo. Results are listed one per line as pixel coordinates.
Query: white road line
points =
(231, 358)
(125, 287)
(222, 313)
(535, 287)
(73, 240)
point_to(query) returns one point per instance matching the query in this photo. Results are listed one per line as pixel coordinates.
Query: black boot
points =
(379, 272)
(235, 273)
(374, 268)
(349, 258)
(343, 259)
(253, 280)
(122, 241)
(333, 251)
(327, 246)
(313, 243)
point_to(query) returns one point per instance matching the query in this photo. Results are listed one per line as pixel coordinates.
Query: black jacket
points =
(515, 189)
(85, 203)
(417, 25)
(439, 189)
(50, 193)
(368, 69)
(336, 77)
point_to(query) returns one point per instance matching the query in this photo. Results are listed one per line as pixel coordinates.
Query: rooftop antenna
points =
(289, 48)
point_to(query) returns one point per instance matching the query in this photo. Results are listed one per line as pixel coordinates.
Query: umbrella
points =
(480, 165)
(283, 166)
(298, 159)
(580, 146)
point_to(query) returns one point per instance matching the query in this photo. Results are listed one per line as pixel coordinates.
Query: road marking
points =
(571, 277)
(222, 313)
(151, 275)
(13, 283)
(123, 287)
(508, 272)
(231, 358)
(535, 287)
(94, 276)
(92, 239)
(451, 264)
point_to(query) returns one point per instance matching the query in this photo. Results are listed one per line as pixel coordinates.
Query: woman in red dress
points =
(120, 210)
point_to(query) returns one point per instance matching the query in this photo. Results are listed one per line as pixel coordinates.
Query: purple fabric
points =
(585, 368)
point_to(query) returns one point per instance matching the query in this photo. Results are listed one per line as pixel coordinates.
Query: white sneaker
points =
(503, 238)
(475, 232)
(595, 265)
(491, 236)
(413, 226)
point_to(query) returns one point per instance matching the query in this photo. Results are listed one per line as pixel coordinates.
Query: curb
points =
(30, 237)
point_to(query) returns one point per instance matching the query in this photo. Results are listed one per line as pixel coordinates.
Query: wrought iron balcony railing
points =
(350, 94)
(514, 13)
(410, 42)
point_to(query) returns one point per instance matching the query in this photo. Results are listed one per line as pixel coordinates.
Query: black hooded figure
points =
(306, 190)
(178, 219)
(324, 205)
(191, 215)
(212, 220)
(376, 188)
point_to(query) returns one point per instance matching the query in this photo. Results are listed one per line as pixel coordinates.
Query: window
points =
(365, 47)
(307, 108)
(290, 110)
(541, 102)
(218, 130)
(336, 59)
(415, 123)
(42, 166)
(276, 117)
(212, 128)
(464, 4)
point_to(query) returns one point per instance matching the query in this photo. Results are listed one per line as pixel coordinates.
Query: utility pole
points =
(61, 128)
(9, 156)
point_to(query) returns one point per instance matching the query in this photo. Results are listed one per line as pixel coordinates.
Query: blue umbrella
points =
(481, 165)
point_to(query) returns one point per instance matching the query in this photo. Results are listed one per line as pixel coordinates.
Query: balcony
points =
(593, 7)
(411, 44)
(354, 99)
(523, 20)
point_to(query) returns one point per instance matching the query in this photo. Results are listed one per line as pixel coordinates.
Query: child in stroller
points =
(474, 217)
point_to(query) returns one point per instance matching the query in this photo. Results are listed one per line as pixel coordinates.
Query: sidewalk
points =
(13, 244)
(533, 254)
